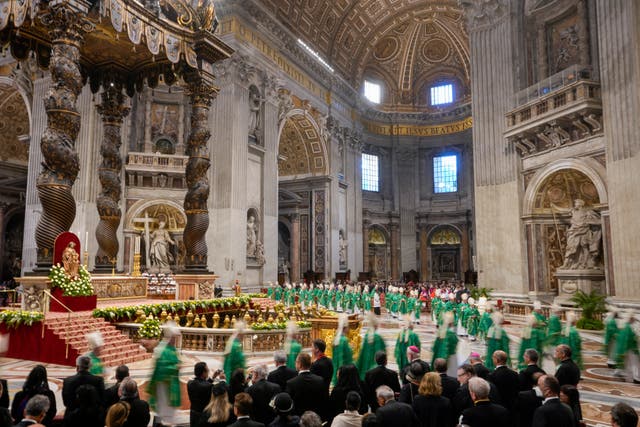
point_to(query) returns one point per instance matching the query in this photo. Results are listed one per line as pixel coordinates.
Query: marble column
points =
(424, 260)
(395, 249)
(365, 245)
(295, 247)
(113, 111)
(67, 28)
(464, 249)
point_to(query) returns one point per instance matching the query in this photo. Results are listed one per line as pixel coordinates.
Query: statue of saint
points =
(255, 102)
(583, 238)
(342, 249)
(159, 251)
(71, 260)
(252, 236)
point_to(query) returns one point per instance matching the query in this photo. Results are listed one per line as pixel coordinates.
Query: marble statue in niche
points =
(252, 236)
(342, 249)
(159, 252)
(255, 104)
(583, 238)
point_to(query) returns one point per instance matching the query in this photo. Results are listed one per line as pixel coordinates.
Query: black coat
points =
(71, 384)
(309, 393)
(111, 395)
(525, 377)
(554, 414)
(486, 414)
(139, 414)
(20, 402)
(324, 368)
(376, 377)
(506, 381)
(246, 422)
(262, 392)
(450, 386)
(462, 400)
(282, 374)
(394, 414)
(4, 397)
(337, 401)
(568, 373)
(481, 371)
(526, 404)
(405, 370)
(433, 411)
(408, 393)
(199, 392)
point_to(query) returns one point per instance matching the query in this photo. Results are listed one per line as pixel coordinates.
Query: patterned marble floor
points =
(600, 388)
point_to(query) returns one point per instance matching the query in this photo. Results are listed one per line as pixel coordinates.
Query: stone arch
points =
(8, 81)
(301, 146)
(444, 244)
(379, 245)
(138, 209)
(590, 168)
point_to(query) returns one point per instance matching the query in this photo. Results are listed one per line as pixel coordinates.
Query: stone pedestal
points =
(196, 286)
(586, 280)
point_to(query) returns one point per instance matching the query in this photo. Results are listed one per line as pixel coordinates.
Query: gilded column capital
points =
(112, 108)
(66, 25)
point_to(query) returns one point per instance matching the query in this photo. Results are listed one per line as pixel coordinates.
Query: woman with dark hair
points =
(571, 396)
(89, 412)
(237, 384)
(36, 383)
(348, 380)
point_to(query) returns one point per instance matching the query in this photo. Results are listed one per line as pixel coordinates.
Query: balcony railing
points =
(156, 161)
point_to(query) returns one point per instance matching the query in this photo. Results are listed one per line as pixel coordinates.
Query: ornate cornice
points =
(483, 13)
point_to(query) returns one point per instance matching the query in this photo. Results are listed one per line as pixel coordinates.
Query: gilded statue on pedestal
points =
(71, 260)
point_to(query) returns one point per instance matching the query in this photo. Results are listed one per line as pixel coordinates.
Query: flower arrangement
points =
(150, 329)
(14, 318)
(78, 287)
(267, 326)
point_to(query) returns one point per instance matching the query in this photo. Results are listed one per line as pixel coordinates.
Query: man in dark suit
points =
(242, 408)
(392, 413)
(505, 380)
(463, 400)
(111, 394)
(82, 377)
(199, 391)
(380, 375)
(413, 355)
(476, 361)
(568, 372)
(139, 414)
(4, 396)
(450, 385)
(552, 413)
(283, 373)
(483, 413)
(308, 391)
(35, 411)
(322, 365)
(262, 391)
(527, 403)
(525, 377)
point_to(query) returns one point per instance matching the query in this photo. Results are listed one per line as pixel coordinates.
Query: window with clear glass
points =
(442, 94)
(445, 173)
(370, 177)
(372, 91)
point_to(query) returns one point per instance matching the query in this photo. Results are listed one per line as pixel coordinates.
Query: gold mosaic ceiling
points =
(409, 44)
(14, 123)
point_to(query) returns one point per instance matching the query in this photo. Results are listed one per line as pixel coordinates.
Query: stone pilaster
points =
(295, 247)
(424, 259)
(67, 28)
(407, 170)
(618, 35)
(270, 180)
(395, 250)
(365, 245)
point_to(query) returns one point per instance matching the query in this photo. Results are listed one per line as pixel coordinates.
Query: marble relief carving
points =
(304, 242)
(319, 230)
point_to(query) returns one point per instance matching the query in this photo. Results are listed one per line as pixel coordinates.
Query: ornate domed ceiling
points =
(406, 44)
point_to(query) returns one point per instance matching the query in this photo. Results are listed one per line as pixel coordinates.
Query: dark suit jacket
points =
(376, 377)
(506, 381)
(526, 404)
(405, 370)
(408, 393)
(462, 399)
(4, 397)
(26, 423)
(262, 392)
(324, 368)
(17, 406)
(525, 377)
(111, 395)
(246, 422)
(199, 392)
(71, 384)
(486, 414)
(433, 411)
(481, 371)
(450, 386)
(309, 393)
(394, 414)
(282, 374)
(554, 414)
(568, 373)
(139, 414)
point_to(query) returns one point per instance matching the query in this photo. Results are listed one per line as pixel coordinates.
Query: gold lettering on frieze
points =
(413, 130)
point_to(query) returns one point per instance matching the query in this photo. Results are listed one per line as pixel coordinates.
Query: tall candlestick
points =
(86, 240)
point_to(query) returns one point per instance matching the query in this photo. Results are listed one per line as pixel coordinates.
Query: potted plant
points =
(150, 333)
(592, 305)
(74, 292)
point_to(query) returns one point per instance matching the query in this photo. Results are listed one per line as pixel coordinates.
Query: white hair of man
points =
(384, 392)
(37, 406)
(260, 372)
(280, 357)
(479, 387)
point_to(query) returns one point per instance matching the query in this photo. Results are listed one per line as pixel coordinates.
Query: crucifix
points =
(146, 221)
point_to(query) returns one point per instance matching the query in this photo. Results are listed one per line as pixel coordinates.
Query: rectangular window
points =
(370, 180)
(442, 94)
(445, 174)
(372, 92)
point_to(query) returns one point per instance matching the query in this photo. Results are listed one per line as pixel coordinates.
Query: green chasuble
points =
(371, 344)
(233, 359)
(625, 341)
(473, 319)
(405, 339)
(166, 370)
(96, 364)
(554, 329)
(497, 339)
(342, 355)
(444, 347)
(610, 332)
(571, 337)
(294, 349)
(485, 323)
(532, 338)
(542, 321)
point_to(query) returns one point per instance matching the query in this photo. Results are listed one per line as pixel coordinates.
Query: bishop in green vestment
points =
(164, 386)
(497, 339)
(371, 344)
(342, 353)
(233, 354)
(406, 338)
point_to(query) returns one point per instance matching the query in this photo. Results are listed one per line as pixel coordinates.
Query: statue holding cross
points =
(147, 235)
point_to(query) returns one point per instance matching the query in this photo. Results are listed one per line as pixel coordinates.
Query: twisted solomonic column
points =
(113, 112)
(60, 164)
(195, 201)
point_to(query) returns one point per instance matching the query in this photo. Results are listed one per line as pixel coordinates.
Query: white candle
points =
(137, 245)
(86, 240)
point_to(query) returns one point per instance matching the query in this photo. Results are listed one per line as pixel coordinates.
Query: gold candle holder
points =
(136, 265)
(86, 259)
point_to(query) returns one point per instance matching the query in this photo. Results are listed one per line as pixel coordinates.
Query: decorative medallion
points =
(435, 50)
(154, 39)
(116, 15)
(172, 48)
(134, 27)
(386, 48)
